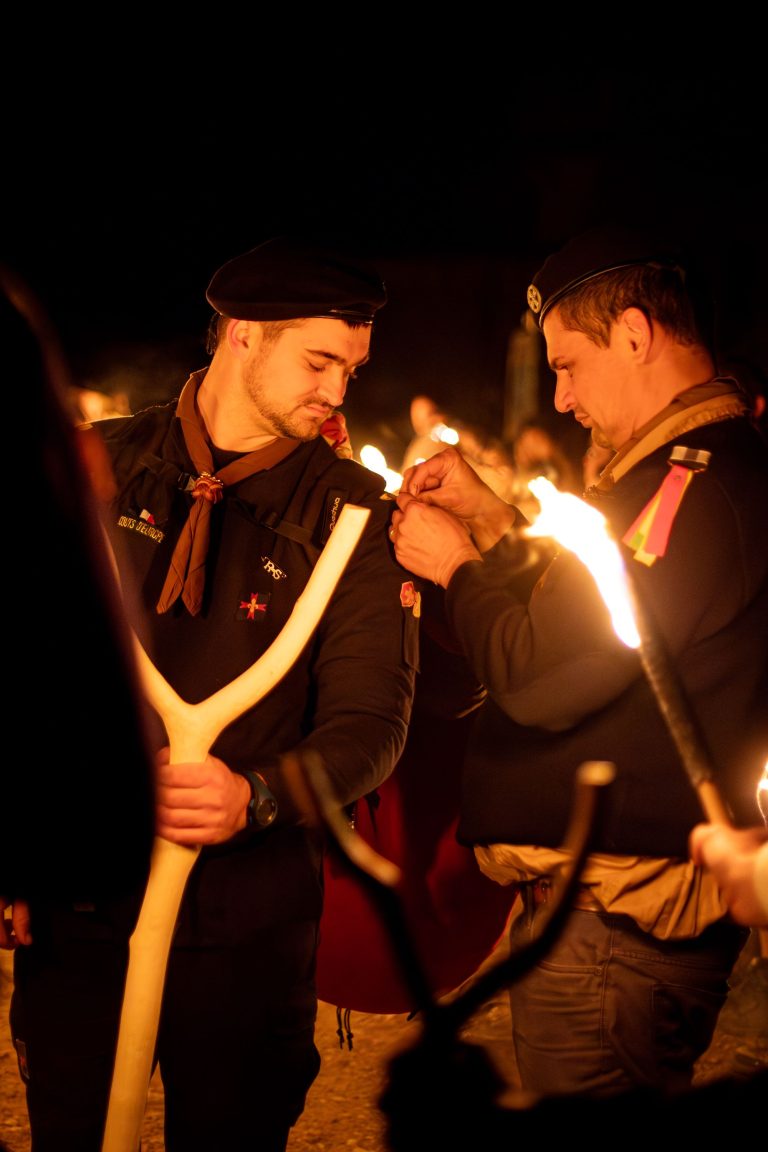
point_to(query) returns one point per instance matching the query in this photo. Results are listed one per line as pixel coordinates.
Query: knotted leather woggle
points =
(186, 573)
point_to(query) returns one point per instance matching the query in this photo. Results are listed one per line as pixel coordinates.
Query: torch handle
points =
(713, 803)
(678, 715)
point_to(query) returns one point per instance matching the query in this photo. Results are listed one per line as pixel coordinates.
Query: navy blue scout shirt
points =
(348, 695)
(562, 689)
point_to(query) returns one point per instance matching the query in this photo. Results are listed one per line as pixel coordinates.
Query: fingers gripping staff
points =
(191, 730)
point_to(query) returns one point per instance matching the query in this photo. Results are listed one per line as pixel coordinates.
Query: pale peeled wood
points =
(191, 730)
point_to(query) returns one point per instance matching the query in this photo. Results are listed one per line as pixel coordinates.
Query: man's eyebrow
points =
(336, 359)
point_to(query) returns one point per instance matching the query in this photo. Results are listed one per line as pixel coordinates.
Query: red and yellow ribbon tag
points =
(649, 535)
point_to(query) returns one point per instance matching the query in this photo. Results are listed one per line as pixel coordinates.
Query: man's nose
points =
(563, 399)
(333, 387)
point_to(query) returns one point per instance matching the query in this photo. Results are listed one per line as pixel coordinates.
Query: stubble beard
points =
(599, 438)
(286, 424)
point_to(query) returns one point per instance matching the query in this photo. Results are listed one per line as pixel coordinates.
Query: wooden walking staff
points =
(191, 730)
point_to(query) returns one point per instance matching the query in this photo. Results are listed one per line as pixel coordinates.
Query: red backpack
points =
(454, 914)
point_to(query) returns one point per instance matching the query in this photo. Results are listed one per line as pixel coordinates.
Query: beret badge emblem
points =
(534, 298)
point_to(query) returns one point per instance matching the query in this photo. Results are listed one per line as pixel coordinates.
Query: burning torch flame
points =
(583, 530)
(376, 461)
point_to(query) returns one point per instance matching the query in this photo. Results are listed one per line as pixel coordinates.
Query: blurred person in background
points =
(537, 453)
(433, 429)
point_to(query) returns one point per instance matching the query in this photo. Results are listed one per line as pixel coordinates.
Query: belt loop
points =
(528, 897)
(542, 889)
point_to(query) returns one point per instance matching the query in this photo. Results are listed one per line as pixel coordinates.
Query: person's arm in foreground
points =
(738, 860)
(448, 524)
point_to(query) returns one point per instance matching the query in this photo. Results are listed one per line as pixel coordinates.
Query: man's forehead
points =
(563, 344)
(555, 334)
(332, 338)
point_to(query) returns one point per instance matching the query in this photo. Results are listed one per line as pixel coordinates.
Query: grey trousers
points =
(611, 1008)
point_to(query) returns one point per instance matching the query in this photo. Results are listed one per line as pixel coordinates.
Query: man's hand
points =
(199, 803)
(16, 928)
(447, 481)
(738, 860)
(428, 541)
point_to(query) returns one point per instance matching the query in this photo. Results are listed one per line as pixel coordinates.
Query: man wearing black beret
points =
(629, 995)
(223, 501)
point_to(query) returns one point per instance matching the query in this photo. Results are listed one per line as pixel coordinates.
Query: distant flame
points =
(583, 530)
(444, 434)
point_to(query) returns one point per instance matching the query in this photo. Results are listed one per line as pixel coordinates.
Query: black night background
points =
(118, 210)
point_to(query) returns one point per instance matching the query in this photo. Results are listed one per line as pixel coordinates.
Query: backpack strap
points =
(268, 518)
(310, 518)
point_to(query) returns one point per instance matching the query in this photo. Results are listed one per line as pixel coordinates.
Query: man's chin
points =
(302, 429)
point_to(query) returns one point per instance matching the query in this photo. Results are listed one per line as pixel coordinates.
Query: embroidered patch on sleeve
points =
(254, 608)
(143, 525)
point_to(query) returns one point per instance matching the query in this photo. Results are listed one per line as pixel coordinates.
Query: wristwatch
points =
(262, 808)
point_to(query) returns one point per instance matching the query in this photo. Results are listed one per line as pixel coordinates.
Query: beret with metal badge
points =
(289, 278)
(604, 249)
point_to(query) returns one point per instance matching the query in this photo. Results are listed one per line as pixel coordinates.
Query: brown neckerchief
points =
(186, 573)
(718, 399)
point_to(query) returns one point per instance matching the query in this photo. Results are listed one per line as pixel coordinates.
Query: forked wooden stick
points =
(191, 730)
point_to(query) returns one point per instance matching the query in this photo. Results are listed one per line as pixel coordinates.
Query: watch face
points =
(262, 809)
(266, 810)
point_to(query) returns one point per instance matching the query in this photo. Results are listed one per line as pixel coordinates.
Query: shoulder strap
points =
(328, 485)
(305, 517)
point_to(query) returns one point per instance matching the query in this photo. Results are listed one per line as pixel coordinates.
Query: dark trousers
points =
(235, 1044)
(611, 1008)
(64, 1015)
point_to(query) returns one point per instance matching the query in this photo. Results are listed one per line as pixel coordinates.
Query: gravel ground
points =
(342, 1113)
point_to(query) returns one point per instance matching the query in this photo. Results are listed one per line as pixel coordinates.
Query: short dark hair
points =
(658, 292)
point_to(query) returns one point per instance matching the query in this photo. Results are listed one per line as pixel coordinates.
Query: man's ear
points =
(242, 337)
(636, 329)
